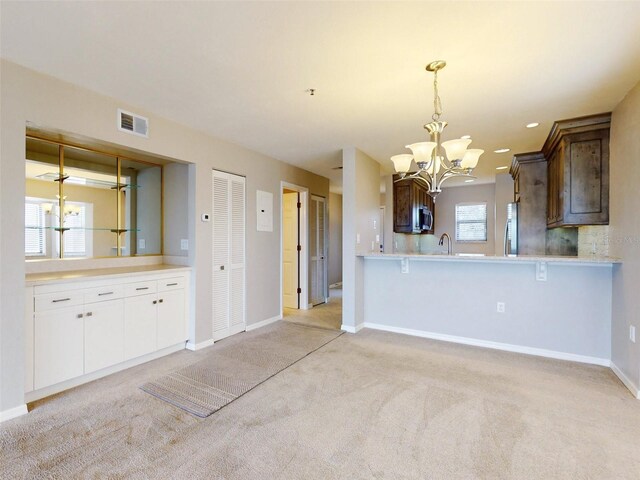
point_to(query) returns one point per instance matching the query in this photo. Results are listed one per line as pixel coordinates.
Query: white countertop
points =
(73, 275)
(595, 261)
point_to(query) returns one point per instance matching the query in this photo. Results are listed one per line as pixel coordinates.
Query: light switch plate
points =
(404, 265)
(184, 244)
(541, 271)
(142, 244)
(632, 333)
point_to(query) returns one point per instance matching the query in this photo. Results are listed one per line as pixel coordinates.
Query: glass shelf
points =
(96, 229)
(89, 182)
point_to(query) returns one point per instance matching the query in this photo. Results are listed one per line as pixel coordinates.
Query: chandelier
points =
(437, 161)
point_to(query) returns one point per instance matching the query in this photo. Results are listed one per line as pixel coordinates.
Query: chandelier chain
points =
(437, 103)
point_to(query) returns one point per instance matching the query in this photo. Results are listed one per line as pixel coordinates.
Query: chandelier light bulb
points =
(402, 162)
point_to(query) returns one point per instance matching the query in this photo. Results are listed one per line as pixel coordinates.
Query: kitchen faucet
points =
(441, 242)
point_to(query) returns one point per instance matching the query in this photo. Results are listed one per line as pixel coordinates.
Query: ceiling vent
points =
(132, 123)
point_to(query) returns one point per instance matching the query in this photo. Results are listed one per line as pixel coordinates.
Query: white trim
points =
(13, 413)
(350, 329)
(199, 346)
(263, 323)
(74, 382)
(540, 352)
(635, 391)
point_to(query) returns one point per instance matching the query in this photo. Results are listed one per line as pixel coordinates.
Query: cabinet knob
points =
(89, 314)
(221, 267)
(80, 315)
(160, 301)
(155, 301)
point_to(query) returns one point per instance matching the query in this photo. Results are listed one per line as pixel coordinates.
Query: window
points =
(34, 232)
(471, 222)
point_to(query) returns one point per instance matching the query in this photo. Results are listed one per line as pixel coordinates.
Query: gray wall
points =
(335, 238)
(176, 208)
(624, 229)
(360, 208)
(445, 218)
(148, 201)
(569, 313)
(27, 96)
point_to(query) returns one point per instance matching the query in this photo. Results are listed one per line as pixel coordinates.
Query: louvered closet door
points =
(317, 247)
(228, 254)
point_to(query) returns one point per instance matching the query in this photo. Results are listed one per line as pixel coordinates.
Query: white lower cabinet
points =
(59, 345)
(140, 319)
(76, 329)
(103, 335)
(170, 307)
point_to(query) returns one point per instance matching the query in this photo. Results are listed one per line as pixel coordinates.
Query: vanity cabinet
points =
(413, 207)
(78, 331)
(577, 153)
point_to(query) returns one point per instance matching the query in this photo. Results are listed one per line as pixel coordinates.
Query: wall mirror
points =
(82, 203)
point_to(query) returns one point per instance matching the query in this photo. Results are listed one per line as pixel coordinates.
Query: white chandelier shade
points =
(437, 161)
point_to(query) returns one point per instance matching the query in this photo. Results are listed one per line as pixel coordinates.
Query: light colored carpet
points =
(373, 405)
(327, 315)
(234, 369)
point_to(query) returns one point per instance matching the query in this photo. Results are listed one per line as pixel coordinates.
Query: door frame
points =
(325, 249)
(303, 226)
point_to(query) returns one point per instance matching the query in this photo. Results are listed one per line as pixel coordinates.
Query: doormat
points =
(232, 369)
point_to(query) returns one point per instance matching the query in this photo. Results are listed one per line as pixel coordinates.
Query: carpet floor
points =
(232, 370)
(374, 405)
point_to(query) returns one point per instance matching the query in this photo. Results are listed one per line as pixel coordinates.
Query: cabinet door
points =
(140, 319)
(103, 335)
(402, 208)
(172, 324)
(58, 345)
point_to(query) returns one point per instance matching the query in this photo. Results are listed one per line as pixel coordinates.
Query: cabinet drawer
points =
(102, 294)
(57, 300)
(170, 284)
(140, 288)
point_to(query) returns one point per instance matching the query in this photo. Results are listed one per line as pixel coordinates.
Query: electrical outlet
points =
(142, 243)
(357, 239)
(632, 333)
(500, 307)
(184, 244)
(541, 271)
(375, 224)
(378, 238)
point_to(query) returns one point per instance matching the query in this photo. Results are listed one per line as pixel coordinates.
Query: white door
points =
(140, 320)
(317, 247)
(290, 272)
(228, 254)
(103, 334)
(171, 326)
(59, 345)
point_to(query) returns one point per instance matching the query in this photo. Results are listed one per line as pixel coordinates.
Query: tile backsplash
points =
(425, 244)
(593, 240)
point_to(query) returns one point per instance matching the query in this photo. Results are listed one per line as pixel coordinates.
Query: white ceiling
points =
(239, 70)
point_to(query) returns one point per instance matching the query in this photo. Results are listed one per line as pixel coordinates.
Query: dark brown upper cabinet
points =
(413, 207)
(577, 154)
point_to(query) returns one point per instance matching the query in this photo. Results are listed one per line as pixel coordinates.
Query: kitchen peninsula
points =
(558, 307)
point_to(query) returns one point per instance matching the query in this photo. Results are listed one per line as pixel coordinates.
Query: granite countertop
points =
(73, 275)
(590, 260)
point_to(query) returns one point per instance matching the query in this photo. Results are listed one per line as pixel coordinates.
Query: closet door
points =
(317, 247)
(228, 254)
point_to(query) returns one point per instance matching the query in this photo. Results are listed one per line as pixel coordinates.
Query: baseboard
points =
(626, 380)
(350, 329)
(540, 352)
(89, 377)
(199, 346)
(263, 323)
(13, 413)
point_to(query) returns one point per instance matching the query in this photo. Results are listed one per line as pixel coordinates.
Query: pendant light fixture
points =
(437, 161)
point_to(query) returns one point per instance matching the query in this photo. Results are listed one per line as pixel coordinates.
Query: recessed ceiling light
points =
(502, 150)
(466, 137)
(532, 125)
(468, 181)
(504, 167)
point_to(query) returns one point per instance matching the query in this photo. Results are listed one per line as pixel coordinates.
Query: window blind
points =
(471, 222)
(34, 233)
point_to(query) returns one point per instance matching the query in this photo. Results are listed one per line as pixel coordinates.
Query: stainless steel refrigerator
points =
(511, 230)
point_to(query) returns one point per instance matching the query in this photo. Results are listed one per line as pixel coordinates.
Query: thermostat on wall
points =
(205, 217)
